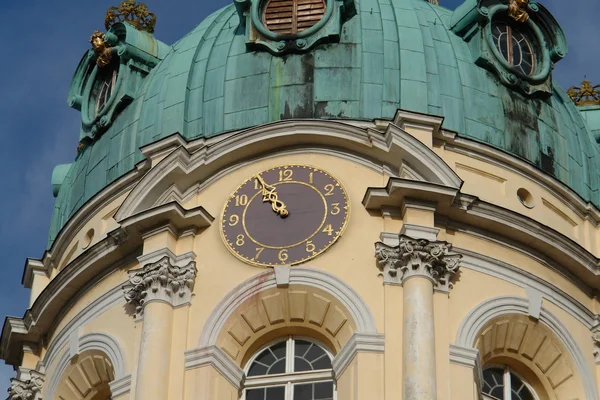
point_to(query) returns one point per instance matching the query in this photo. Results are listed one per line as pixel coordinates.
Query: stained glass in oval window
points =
(515, 47)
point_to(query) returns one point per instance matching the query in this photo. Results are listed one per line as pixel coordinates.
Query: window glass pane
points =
(309, 357)
(519, 390)
(493, 382)
(255, 394)
(276, 393)
(314, 391)
(270, 361)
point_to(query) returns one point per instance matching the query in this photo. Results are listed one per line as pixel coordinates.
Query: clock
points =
(284, 216)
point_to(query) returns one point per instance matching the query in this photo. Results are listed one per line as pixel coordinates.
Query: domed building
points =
(319, 200)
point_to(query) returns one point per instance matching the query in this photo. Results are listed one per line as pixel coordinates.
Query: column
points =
(29, 387)
(155, 290)
(420, 266)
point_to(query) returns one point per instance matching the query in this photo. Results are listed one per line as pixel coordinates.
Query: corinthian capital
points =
(418, 257)
(160, 281)
(30, 389)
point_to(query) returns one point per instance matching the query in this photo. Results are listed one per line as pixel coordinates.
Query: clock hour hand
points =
(270, 195)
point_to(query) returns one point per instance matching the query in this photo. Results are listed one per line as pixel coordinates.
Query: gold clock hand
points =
(270, 195)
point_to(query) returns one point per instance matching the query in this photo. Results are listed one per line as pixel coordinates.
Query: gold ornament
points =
(270, 195)
(130, 11)
(518, 10)
(586, 95)
(101, 48)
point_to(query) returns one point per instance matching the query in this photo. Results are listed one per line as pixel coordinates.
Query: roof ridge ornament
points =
(132, 12)
(517, 10)
(586, 94)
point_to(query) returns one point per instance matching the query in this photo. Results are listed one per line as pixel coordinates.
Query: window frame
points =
(112, 78)
(290, 378)
(508, 371)
(510, 27)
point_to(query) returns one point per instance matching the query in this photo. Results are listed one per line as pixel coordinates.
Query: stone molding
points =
(354, 303)
(360, 342)
(161, 280)
(468, 357)
(215, 357)
(121, 386)
(418, 257)
(30, 389)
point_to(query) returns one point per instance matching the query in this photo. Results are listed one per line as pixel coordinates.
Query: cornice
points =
(360, 342)
(216, 358)
(470, 210)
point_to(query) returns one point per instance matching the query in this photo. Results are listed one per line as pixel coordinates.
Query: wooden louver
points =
(292, 16)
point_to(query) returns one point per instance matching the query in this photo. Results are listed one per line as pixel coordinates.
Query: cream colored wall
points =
(219, 272)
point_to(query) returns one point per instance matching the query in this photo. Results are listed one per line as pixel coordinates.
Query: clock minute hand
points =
(270, 195)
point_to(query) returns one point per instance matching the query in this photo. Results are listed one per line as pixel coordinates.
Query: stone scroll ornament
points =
(160, 281)
(418, 257)
(30, 389)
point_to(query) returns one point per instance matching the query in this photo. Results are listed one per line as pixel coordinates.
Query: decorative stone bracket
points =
(160, 281)
(596, 339)
(418, 257)
(30, 389)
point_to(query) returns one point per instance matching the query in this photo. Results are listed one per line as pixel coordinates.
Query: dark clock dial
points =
(284, 215)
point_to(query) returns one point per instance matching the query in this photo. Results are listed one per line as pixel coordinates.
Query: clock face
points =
(284, 216)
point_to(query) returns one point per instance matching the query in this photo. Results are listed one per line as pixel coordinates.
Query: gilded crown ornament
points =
(134, 13)
(101, 48)
(518, 10)
(586, 94)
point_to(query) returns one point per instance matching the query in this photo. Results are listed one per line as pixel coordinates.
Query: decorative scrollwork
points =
(101, 48)
(26, 390)
(160, 281)
(135, 13)
(517, 10)
(270, 195)
(420, 257)
(586, 94)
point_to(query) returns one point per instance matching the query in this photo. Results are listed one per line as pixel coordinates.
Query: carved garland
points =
(26, 390)
(418, 257)
(160, 281)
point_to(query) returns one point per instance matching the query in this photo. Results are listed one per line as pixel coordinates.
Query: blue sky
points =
(43, 42)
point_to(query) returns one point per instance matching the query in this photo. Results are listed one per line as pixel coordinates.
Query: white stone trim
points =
(491, 308)
(107, 344)
(358, 308)
(215, 357)
(121, 386)
(282, 276)
(420, 232)
(359, 342)
(196, 161)
(468, 357)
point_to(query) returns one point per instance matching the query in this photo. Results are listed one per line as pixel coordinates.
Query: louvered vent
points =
(292, 16)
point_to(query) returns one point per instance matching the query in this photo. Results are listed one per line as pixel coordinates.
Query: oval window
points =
(103, 88)
(289, 17)
(515, 47)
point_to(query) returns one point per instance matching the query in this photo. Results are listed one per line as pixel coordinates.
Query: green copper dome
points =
(390, 54)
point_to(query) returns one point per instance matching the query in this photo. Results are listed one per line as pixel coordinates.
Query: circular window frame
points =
(526, 198)
(530, 30)
(257, 21)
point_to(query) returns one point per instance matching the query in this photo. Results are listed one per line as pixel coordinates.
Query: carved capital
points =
(596, 339)
(160, 281)
(30, 389)
(417, 257)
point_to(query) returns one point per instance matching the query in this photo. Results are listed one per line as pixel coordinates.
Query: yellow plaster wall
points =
(205, 383)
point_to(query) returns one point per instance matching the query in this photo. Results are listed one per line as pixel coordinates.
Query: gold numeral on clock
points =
(335, 208)
(283, 255)
(328, 229)
(256, 184)
(310, 247)
(311, 177)
(285, 175)
(233, 220)
(258, 251)
(241, 200)
(329, 189)
(240, 240)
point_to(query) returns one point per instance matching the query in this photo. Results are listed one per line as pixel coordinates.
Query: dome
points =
(391, 54)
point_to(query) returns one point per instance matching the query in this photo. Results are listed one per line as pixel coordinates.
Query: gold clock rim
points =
(264, 265)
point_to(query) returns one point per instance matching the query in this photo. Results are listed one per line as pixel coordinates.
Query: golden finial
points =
(135, 13)
(518, 10)
(586, 95)
(101, 48)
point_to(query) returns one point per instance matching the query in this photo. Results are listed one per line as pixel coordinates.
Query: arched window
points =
(290, 369)
(288, 17)
(501, 383)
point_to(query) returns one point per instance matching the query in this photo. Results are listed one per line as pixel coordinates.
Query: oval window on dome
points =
(515, 46)
(289, 17)
(103, 88)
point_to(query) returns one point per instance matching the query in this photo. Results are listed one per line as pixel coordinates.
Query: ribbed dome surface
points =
(392, 54)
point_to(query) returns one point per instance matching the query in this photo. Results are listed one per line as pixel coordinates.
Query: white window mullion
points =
(289, 391)
(507, 391)
(289, 361)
